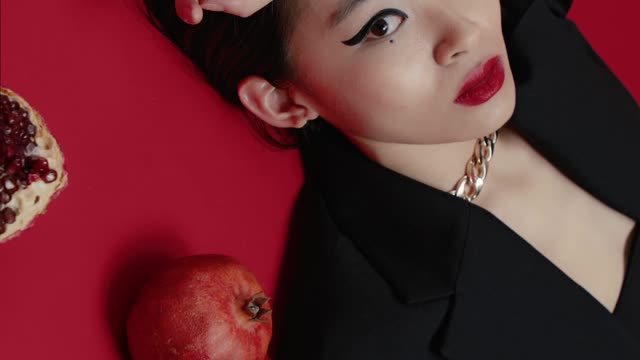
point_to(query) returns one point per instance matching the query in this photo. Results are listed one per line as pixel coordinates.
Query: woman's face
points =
(399, 83)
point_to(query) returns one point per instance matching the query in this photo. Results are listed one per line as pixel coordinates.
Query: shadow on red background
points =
(145, 254)
(159, 167)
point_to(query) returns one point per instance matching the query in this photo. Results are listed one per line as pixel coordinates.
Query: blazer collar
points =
(428, 244)
(412, 232)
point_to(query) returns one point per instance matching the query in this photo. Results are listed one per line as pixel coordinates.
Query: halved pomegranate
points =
(31, 165)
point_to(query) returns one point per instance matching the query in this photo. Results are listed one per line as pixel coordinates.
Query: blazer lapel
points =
(412, 234)
(522, 307)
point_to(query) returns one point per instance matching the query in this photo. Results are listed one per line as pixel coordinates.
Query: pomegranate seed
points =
(33, 177)
(11, 151)
(30, 147)
(9, 185)
(8, 215)
(15, 166)
(40, 165)
(5, 197)
(51, 176)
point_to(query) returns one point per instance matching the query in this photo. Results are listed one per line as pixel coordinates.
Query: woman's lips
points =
(482, 83)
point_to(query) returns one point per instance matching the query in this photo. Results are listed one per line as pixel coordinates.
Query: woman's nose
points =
(459, 36)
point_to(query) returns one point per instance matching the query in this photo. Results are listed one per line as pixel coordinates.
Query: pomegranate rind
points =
(31, 202)
(194, 309)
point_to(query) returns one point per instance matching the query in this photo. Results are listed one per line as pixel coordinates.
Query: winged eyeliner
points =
(367, 27)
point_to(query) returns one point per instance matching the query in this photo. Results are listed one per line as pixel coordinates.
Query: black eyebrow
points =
(345, 7)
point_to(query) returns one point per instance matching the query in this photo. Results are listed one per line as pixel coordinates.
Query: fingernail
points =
(211, 6)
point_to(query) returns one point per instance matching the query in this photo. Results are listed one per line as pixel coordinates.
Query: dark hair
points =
(228, 48)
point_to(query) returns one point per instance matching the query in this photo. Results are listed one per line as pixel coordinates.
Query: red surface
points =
(159, 167)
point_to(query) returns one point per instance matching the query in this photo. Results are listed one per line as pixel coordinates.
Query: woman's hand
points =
(191, 11)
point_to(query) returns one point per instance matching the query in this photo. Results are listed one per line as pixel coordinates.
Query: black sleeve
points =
(513, 10)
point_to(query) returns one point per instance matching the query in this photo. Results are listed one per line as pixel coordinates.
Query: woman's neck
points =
(442, 165)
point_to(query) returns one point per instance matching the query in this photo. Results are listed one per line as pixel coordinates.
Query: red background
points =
(159, 167)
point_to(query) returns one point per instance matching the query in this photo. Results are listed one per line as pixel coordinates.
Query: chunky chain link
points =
(470, 185)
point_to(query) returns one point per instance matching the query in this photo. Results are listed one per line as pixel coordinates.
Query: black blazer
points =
(380, 266)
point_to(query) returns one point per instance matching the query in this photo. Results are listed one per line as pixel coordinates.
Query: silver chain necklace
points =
(470, 184)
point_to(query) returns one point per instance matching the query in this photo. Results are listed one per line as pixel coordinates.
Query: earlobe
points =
(273, 105)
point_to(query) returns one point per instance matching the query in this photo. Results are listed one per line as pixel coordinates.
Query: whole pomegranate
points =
(203, 307)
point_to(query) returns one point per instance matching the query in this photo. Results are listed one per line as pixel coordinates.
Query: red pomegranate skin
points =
(195, 309)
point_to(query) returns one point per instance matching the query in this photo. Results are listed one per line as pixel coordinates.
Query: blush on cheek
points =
(394, 88)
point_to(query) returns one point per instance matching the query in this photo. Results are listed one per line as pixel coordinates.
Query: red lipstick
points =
(482, 83)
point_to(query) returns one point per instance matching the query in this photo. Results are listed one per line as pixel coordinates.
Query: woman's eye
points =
(383, 24)
(386, 25)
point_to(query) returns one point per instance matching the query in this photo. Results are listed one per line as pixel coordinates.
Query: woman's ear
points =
(273, 105)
